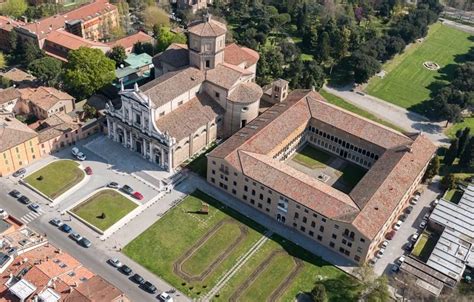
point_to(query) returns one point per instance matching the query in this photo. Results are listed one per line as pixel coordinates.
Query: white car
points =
(3, 213)
(115, 262)
(401, 260)
(414, 237)
(422, 224)
(81, 156)
(413, 201)
(385, 244)
(165, 297)
(380, 253)
(75, 151)
(397, 225)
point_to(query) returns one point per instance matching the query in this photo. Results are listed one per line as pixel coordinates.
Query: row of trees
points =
(462, 147)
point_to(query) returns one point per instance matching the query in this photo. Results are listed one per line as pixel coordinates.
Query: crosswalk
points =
(30, 216)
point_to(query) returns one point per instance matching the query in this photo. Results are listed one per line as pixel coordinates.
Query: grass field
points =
(335, 100)
(425, 245)
(407, 83)
(57, 177)
(163, 245)
(113, 204)
(453, 195)
(312, 157)
(468, 122)
(352, 174)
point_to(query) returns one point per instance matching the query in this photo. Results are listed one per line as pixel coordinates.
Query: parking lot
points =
(403, 236)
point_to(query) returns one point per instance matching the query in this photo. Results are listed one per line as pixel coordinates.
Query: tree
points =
(452, 152)
(27, 51)
(48, 70)
(323, 52)
(165, 37)
(448, 182)
(467, 157)
(154, 15)
(318, 293)
(12, 41)
(433, 168)
(117, 53)
(313, 76)
(463, 140)
(363, 66)
(14, 8)
(378, 291)
(87, 71)
(140, 48)
(89, 111)
(2, 60)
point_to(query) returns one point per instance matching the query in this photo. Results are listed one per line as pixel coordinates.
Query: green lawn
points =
(467, 122)
(57, 177)
(113, 204)
(165, 242)
(425, 245)
(335, 100)
(407, 82)
(352, 174)
(453, 195)
(312, 157)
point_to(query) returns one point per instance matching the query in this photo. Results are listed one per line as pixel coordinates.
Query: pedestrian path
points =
(29, 217)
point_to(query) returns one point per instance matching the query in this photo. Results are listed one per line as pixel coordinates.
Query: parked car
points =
(3, 213)
(165, 297)
(85, 242)
(380, 253)
(409, 209)
(403, 217)
(422, 224)
(23, 199)
(81, 156)
(138, 279)
(75, 236)
(373, 261)
(56, 222)
(400, 260)
(409, 246)
(65, 228)
(19, 172)
(147, 286)
(138, 195)
(113, 185)
(75, 151)
(125, 270)
(11, 251)
(395, 268)
(127, 189)
(413, 201)
(417, 194)
(414, 237)
(385, 244)
(88, 170)
(426, 217)
(390, 235)
(15, 194)
(397, 225)
(34, 207)
(115, 262)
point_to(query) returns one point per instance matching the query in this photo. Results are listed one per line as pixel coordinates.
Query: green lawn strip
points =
(113, 204)
(467, 122)
(425, 245)
(312, 157)
(211, 249)
(352, 174)
(453, 195)
(170, 237)
(407, 82)
(57, 177)
(268, 280)
(335, 100)
(420, 245)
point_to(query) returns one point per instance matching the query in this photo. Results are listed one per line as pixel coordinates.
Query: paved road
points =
(408, 228)
(464, 27)
(396, 115)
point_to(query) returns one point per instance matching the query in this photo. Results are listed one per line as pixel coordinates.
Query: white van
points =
(75, 151)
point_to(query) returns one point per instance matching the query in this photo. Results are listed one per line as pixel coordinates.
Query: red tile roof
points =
(371, 202)
(210, 28)
(71, 41)
(129, 41)
(236, 55)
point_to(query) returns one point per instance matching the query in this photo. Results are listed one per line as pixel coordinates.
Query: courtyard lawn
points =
(335, 100)
(425, 245)
(181, 230)
(352, 174)
(114, 205)
(56, 178)
(453, 195)
(312, 157)
(407, 82)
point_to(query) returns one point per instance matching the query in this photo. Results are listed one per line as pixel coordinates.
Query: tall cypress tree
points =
(452, 152)
(467, 157)
(463, 140)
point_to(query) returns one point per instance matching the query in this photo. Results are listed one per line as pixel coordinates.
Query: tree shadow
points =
(342, 288)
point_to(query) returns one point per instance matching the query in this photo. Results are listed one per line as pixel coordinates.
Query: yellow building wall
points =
(19, 156)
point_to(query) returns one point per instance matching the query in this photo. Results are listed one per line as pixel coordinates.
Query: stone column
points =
(131, 141)
(170, 160)
(162, 158)
(115, 138)
(109, 124)
(125, 138)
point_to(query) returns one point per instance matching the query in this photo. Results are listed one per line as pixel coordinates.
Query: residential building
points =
(43, 102)
(253, 166)
(19, 78)
(6, 26)
(128, 42)
(8, 99)
(183, 110)
(18, 145)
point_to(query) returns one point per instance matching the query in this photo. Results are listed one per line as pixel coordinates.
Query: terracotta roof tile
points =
(9, 94)
(226, 75)
(189, 117)
(18, 75)
(210, 28)
(246, 93)
(236, 55)
(95, 289)
(129, 41)
(71, 41)
(13, 133)
(44, 97)
(176, 55)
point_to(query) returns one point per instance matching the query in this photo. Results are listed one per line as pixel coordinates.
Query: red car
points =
(390, 235)
(88, 170)
(138, 195)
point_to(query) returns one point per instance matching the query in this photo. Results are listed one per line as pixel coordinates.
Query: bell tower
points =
(206, 43)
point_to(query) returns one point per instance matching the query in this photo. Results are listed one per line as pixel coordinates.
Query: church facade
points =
(204, 90)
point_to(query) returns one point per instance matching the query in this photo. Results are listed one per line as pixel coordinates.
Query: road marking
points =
(30, 216)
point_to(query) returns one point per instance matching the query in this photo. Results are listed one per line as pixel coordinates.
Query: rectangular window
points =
(283, 204)
(313, 224)
(234, 191)
(269, 201)
(213, 180)
(324, 219)
(244, 197)
(334, 236)
(336, 226)
(297, 215)
(304, 219)
(246, 189)
(356, 258)
(253, 192)
(311, 233)
(208, 63)
(252, 201)
(261, 196)
(331, 244)
(321, 229)
(320, 238)
(302, 228)
(267, 209)
(259, 205)
(217, 94)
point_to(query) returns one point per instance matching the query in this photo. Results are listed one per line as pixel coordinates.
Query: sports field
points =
(192, 250)
(407, 82)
